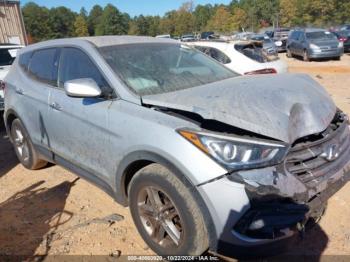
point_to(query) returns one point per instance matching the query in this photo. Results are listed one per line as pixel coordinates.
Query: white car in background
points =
(243, 57)
(8, 53)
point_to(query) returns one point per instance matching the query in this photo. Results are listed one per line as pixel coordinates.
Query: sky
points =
(133, 7)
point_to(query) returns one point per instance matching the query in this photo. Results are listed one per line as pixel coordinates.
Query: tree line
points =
(43, 23)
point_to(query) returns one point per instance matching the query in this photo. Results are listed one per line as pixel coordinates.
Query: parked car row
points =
(205, 159)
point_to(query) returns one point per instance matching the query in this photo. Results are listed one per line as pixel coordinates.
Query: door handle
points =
(56, 106)
(19, 91)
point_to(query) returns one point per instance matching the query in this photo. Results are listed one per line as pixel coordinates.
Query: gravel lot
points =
(52, 212)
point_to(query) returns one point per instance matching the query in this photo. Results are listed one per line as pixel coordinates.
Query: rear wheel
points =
(166, 214)
(24, 148)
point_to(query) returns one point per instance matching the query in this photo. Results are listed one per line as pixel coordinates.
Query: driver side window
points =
(75, 64)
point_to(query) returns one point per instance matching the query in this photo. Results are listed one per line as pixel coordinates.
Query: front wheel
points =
(24, 148)
(166, 213)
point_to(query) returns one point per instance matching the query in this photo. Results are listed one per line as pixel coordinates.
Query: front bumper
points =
(326, 53)
(254, 220)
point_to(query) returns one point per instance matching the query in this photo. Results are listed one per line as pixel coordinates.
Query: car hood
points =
(284, 107)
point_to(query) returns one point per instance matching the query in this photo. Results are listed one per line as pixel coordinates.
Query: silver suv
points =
(206, 159)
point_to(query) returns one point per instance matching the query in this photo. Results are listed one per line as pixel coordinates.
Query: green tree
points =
(318, 12)
(36, 21)
(222, 21)
(202, 15)
(288, 13)
(342, 14)
(94, 18)
(81, 27)
(83, 13)
(154, 22)
(240, 19)
(167, 23)
(112, 22)
(61, 22)
(184, 22)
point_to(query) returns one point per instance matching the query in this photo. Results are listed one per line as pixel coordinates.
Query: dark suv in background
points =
(313, 43)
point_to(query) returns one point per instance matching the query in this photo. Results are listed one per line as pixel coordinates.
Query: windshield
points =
(320, 35)
(156, 68)
(7, 56)
(344, 33)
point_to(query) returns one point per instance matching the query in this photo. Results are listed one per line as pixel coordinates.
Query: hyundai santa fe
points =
(204, 158)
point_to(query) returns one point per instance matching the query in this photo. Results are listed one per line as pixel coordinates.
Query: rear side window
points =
(75, 64)
(43, 66)
(24, 60)
(215, 53)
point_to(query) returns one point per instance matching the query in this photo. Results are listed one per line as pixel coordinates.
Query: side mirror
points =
(82, 88)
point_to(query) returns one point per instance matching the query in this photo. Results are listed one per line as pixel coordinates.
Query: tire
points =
(306, 57)
(182, 217)
(289, 53)
(338, 58)
(24, 148)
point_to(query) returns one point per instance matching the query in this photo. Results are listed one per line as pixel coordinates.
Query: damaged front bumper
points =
(262, 222)
(256, 209)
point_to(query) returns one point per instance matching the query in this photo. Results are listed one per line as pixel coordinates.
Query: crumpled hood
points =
(284, 107)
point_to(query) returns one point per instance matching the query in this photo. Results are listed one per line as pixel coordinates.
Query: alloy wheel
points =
(160, 218)
(21, 144)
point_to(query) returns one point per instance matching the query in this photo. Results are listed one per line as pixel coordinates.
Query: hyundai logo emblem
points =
(331, 153)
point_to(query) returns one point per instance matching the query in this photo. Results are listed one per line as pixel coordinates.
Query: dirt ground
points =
(51, 212)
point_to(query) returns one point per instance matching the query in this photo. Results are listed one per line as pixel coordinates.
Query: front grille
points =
(315, 158)
(328, 48)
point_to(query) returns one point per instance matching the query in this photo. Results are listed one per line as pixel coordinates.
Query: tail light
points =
(262, 71)
(343, 39)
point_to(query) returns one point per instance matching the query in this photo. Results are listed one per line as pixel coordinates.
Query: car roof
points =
(100, 41)
(309, 30)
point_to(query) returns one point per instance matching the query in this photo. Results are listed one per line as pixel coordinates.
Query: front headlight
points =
(313, 46)
(236, 153)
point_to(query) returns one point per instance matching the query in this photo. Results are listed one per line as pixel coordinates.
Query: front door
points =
(78, 127)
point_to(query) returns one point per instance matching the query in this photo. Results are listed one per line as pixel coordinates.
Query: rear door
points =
(32, 88)
(78, 126)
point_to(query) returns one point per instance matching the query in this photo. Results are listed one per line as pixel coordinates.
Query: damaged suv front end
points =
(259, 207)
(286, 151)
